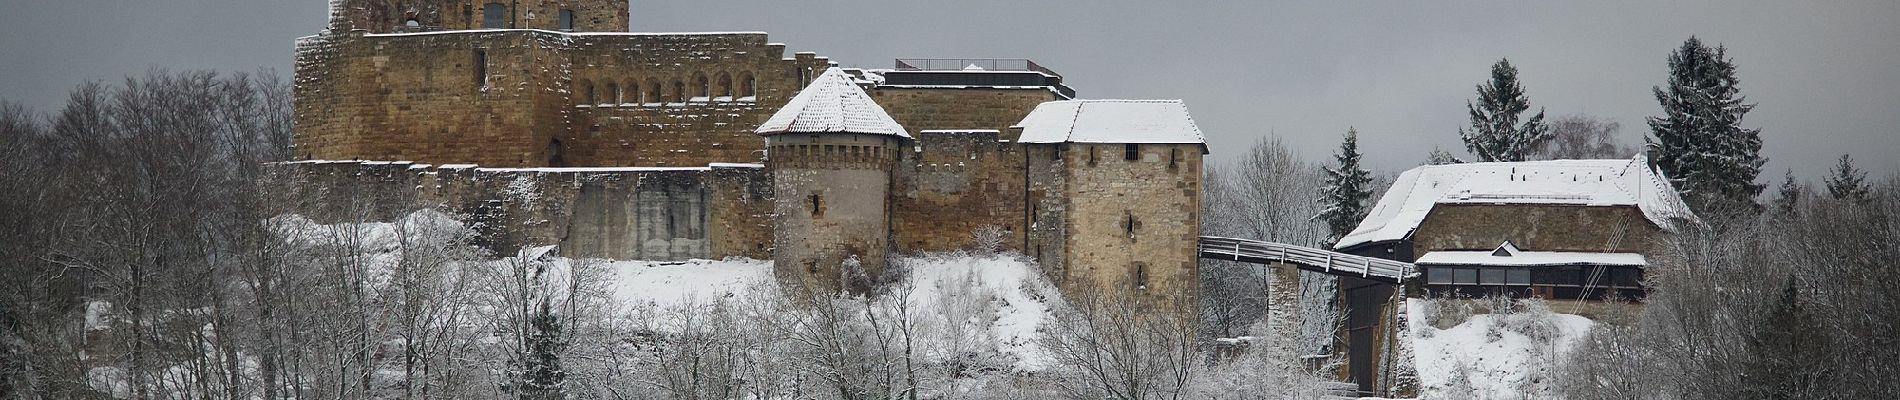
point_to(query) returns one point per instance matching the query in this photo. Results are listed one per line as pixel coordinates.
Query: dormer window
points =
(1505, 250)
(567, 20)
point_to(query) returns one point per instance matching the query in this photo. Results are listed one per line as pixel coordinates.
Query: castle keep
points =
(549, 126)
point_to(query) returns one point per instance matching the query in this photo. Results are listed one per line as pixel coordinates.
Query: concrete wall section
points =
(645, 214)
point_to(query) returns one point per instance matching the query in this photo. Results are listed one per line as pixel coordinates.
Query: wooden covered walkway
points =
(1306, 258)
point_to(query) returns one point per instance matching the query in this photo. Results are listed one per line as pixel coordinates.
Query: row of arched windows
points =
(701, 88)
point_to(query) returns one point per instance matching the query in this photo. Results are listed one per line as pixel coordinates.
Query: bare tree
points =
(1583, 137)
(1123, 346)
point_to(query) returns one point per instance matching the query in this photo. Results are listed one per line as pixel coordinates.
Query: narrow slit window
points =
(567, 20)
(1141, 276)
(817, 206)
(481, 68)
(1174, 159)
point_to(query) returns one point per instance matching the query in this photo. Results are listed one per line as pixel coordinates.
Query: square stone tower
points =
(1115, 196)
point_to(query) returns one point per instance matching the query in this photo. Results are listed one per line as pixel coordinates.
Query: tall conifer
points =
(1703, 148)
(1343, 198)
(1495, 133)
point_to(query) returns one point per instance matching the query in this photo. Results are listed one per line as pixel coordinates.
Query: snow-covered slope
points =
(1490, 356)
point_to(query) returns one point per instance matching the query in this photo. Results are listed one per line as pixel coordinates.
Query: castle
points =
(548, 126)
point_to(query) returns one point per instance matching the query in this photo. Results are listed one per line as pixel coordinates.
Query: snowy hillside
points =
(1507, 355)
(976, 308)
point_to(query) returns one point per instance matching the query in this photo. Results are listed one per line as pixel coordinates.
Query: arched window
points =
(631, 91)
(725, 86)
(748, 86)
(679, 91)
(494, 16)
(613, 93)
(655, 92)
(702, 87)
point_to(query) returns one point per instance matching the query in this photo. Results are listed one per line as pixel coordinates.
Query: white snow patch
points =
(110, 380)
(670, 284)
(1498, 359)
(1110, 121)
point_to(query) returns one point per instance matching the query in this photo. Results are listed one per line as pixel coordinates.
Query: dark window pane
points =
(1438, 276)
(1465, 276)
(567, 20)
(1491, 276)
(493, 15)
(1517, 277)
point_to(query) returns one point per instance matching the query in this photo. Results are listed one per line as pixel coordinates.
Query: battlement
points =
(386, 16)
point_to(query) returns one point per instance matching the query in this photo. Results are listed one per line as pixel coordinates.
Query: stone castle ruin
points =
(546, 124)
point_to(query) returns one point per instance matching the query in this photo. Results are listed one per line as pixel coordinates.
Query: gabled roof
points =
(1629, 182)
(832, 104)
(1110, 121)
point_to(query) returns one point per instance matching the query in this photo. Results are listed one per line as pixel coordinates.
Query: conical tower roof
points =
(832, 104)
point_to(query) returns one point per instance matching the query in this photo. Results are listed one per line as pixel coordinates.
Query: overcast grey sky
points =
(1826, 75)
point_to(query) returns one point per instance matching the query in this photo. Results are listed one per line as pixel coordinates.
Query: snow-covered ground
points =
(664, 284)
(994, 303)
(1490, 356)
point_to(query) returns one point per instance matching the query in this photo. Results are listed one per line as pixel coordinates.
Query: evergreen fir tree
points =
(1785, 351)
(1704, 149)
(1495, 133)
(1790, 194)
(1441, 157)
(1343, 198)
(541, 375)
(1847, 182)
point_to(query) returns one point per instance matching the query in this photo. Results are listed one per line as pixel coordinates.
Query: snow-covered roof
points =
(1560, 182)
(1529, 258)
(832, 103)
(1110, 121)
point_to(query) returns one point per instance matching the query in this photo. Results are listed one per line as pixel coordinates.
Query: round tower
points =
(831, 151)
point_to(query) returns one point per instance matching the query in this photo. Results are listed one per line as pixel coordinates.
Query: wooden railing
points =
(1307, 258)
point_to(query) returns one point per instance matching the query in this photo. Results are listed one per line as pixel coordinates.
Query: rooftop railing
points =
(961, 64)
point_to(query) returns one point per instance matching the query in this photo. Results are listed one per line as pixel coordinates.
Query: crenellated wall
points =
(534, 98)
(391, 16)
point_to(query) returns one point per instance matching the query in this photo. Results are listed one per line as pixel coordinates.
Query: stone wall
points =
(677, 100)
(648, 214)
(831, 206)
(921, 109)
(518, 98)
(964, 172)
(1132, 224)
(1619, 229)
(387, 16)
(954, 183)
